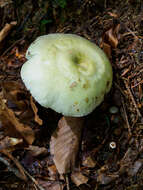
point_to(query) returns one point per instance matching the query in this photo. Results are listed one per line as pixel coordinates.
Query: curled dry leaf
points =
(105, 179)
(110, 39)
(14, 92)
(65, 142)
(112, 36)
(78, 178)
(37, 151)
(112, 14)
(35, 110)
(52, 172)
(12, 125)
(9, 142)
(107, 49)
(89, 162)
(4, 3)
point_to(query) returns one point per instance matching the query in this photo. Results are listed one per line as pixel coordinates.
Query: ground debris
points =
(65, 143)
(4, 32)
(89, 162)
(116, 26)
(12, 125)
(35, 110)
(51, 185)
(8, 143)
(78, 178)
(37, 151)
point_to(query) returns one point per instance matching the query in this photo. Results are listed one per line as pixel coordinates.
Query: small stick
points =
(4, 32)
(126, 118)
(22, 170)
(9, 155)
(132, 98)
(33, 180)
(10, 168)
(67, 181)
(120, 89)
(137, 84)
(8, 49)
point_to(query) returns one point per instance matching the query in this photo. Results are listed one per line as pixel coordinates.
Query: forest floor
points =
(111, 152)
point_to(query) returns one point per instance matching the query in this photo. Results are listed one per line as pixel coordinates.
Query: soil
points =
(111, 151)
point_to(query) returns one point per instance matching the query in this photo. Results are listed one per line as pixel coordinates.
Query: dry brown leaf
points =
(107, 49)
(52, 172)
(14, 92)
(110, 39)
(9, 142)
(133, 170)
(89, 162)
(12, 125)
(4, 3)
(36, 150)
(105, 179)
(51, 185)
(112, 36)
(65, 142)
(78, 178)
(35, 110)
(113, 14)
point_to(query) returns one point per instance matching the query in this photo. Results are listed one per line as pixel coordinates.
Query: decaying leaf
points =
(9, 142)
(36, 150)
(107, 49)
(14, 92)
(89, 162)
(78, 178)
(51, 185)
(4, 3)
(105, 179)
(112, 14)
(127, 163)
(65, 142)
(112, 36)
(35, 110)
(133, 170)
(110, 39)
(52, 172)
(12, 125)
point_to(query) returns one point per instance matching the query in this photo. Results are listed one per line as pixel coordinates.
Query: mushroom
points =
(67, 73)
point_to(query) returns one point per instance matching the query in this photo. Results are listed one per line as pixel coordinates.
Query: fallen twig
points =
(126, 117)
(20, 167)
(16, 162)
(132, 98)
(11, 168)
(4, 32)
(33, 180)
(67, 182)
(120, 89)
(8, 49)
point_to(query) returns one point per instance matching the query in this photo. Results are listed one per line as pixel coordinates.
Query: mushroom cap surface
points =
(67, 73)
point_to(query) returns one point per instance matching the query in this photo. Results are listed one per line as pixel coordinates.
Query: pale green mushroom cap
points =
(67, 73)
